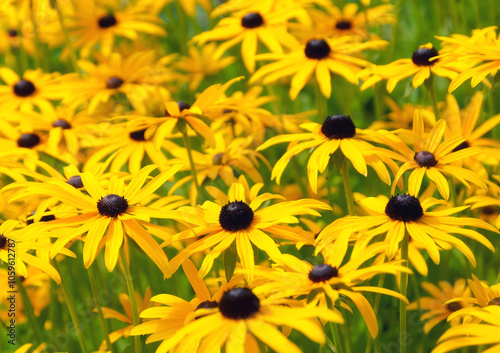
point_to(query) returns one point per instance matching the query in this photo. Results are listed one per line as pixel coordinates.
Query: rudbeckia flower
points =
(338, 132)
(33, 89)
(484, 295)
(491, 203)
(294, 277)
(430, 156)
(94, 24)
(107, 213)
(238, 218)
(240, 318)
(266, 23)
(406, 213)
(436, 307)
(422, 63)
(319, 56)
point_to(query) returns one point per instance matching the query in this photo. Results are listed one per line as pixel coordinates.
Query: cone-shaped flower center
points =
(75, 181)
(239, 303)
(252, 20)
(422, 55)
(183, 106)
(489, 210)
(12, 33)
(114, 82)
(494, 301)
(3, 242)
(425, 159)
(343, 25)
(112, 205)
(107, 21)
(463, 145)
(235, 216)
(404, 208)
(323, 272)
(24, 88)
(207, 304)
(28, 140)
(45, 218)
(317, 49)
(138, 135)
(337, 127)
(61, 123)
(454, 306)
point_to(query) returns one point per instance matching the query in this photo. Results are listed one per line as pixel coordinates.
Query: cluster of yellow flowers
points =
(117, 133)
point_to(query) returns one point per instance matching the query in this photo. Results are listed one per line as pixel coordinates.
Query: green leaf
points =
(230, 261)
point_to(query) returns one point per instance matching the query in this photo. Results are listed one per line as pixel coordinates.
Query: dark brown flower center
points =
(252, 20)
(3, 242)
(463, 145)
(24, 88)
(112, 205)
(322, 273)
(337, 127)
(425, 159)
(454, 306)
(317, 49)
(404, 208)
(489, 210)
(28, 140)
(235, 216)
(114, 82)
(239, 303)
(75, 181)
(62, 124)
(217, 159)
(183, 106)
(494, 301)
(207, 304)
(107, 21)
(138, 135)
(12, 33)
(45, 218)
(422, 55)
(343, 25)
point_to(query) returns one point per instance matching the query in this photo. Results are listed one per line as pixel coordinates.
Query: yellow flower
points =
(338, 132)
(436, 307)
(319, 56)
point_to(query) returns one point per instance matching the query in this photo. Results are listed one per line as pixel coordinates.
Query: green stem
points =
(70, 303)
(28, 310)
(376, 305)
(403, 285)
(72, 54)
(187, 144)
(429, 84)
(131, 294)
(334, 328)
(346, 332)
(97, 301)
(347, 187)
(319, 104)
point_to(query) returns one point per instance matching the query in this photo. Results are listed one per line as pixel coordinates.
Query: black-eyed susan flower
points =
(407, 213)
(241, 318)
(436, 307)
(488, 203)
(238, 218)
(34, 89)
(422, 63)
(93, 23)
(484, 294)
(337, 132)
(320, 57)
(430, 156)
(108, 212)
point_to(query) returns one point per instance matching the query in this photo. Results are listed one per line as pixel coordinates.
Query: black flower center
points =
(489, 210)
(107, 21)
(455, 306)
(12, 33)
(3, 242)
(24, 88)
(207, 304)
(183, 106)
(235, 216)
(138, 135)
(323, 272)
(45, 218)
(75, 181)
(62, 123)
(114, 82)
(317, 49)
(239, 303)
(343, 25)
(422, 55)
(463, 145)
(252, 20)
(337, 127)
(28, 140)
(404, 208)
(425, 159)
(494, 301)
(112, 205)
